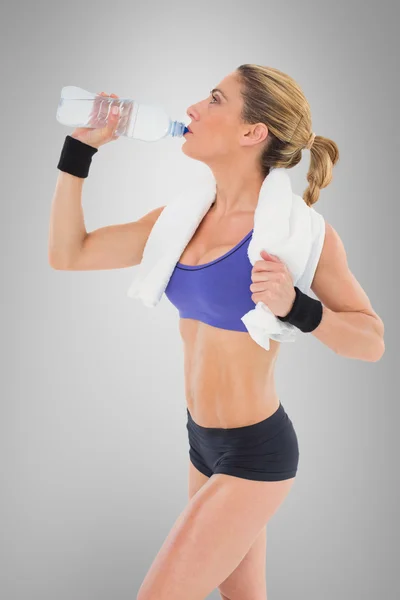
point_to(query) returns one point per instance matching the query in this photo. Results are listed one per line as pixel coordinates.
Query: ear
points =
(254, 134)
(260, 132)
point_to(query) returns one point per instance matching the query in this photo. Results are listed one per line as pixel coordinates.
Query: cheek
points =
(222, 133)
(230, 129)
(224, 142)
(217, 136)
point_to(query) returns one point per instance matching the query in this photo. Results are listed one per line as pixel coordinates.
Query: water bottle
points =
(147, 122)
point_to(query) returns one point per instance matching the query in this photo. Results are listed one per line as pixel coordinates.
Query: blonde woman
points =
(243, 447)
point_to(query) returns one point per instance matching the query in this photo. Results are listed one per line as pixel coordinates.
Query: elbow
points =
(379, 346)
(53, 264)
(59, 261)
(57, 264)
(379, 350)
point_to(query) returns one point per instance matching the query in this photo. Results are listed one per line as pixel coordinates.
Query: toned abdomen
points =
(229, 378)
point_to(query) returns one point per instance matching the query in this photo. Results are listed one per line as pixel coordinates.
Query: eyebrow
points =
(220, 91)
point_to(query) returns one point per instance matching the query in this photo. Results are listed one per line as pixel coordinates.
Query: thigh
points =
(196, 480)
(211, 537)
(248, 579)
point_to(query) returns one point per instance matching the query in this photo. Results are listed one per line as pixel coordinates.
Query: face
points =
(218, 133)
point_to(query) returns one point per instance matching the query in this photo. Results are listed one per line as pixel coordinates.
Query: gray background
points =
(94, 454)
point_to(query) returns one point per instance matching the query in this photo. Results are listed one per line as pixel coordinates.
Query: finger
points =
(259, 297)
(114, 96)
(258, 287)
(119, 113)
(261, 276)
(265, 265)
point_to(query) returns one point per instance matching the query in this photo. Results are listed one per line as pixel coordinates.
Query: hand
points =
(98, 136)
(272, 284)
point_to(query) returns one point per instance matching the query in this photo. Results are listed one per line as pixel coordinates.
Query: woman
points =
(243, 447)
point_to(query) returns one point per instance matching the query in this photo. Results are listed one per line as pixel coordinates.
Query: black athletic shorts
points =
(265, 451)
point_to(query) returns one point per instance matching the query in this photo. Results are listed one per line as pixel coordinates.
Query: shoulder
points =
(333, 252)
(332, 263)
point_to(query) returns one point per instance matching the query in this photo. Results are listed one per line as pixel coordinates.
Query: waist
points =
(268, 425)
(229, 379)
(230, 398)
(226, 409)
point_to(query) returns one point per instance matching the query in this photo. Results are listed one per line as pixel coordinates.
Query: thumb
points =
(113, 122)
(267, 256)
(113, 117)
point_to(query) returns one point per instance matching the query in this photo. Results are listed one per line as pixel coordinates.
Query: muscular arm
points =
(349, 325)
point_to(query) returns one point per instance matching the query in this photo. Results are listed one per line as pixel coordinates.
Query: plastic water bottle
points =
(147, 122)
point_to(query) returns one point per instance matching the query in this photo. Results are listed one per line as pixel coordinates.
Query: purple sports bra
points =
(218, 292)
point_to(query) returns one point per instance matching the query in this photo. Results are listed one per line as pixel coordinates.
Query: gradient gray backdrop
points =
(94, 459)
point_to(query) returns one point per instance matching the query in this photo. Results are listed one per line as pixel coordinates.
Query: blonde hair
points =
(274, 98)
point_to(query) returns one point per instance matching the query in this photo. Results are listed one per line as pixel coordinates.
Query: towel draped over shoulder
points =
(284, 225)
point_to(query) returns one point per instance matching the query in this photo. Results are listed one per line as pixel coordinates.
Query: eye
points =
(214, 97)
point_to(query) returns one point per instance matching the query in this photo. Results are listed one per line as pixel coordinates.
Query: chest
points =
(209, 244)
(216, 292)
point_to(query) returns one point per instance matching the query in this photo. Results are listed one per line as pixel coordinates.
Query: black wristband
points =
(76, 157)
(306, 312)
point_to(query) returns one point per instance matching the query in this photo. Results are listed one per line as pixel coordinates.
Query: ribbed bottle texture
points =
(147, 122)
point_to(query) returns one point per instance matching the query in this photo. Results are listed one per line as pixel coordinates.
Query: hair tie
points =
(310, 141)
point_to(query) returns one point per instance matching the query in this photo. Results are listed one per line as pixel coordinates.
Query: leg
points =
(196, 480)
(248, 580)
(212, 536)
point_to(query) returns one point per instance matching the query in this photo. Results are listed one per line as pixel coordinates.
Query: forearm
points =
(351, 334)
(67, 226)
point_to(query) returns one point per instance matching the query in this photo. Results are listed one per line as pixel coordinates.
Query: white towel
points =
(284, 225)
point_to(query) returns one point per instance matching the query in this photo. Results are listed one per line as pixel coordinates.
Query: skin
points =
(214, 387)
(219, 540)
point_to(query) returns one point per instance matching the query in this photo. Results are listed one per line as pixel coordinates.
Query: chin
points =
(192, 155)
(186, 149)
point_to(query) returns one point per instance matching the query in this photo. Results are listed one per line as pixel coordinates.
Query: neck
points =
(236, 191)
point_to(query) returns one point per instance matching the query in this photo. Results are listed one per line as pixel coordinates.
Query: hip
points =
(265, 450)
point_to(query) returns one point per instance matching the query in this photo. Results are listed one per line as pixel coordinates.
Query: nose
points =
(194, 110)
(192, 114)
